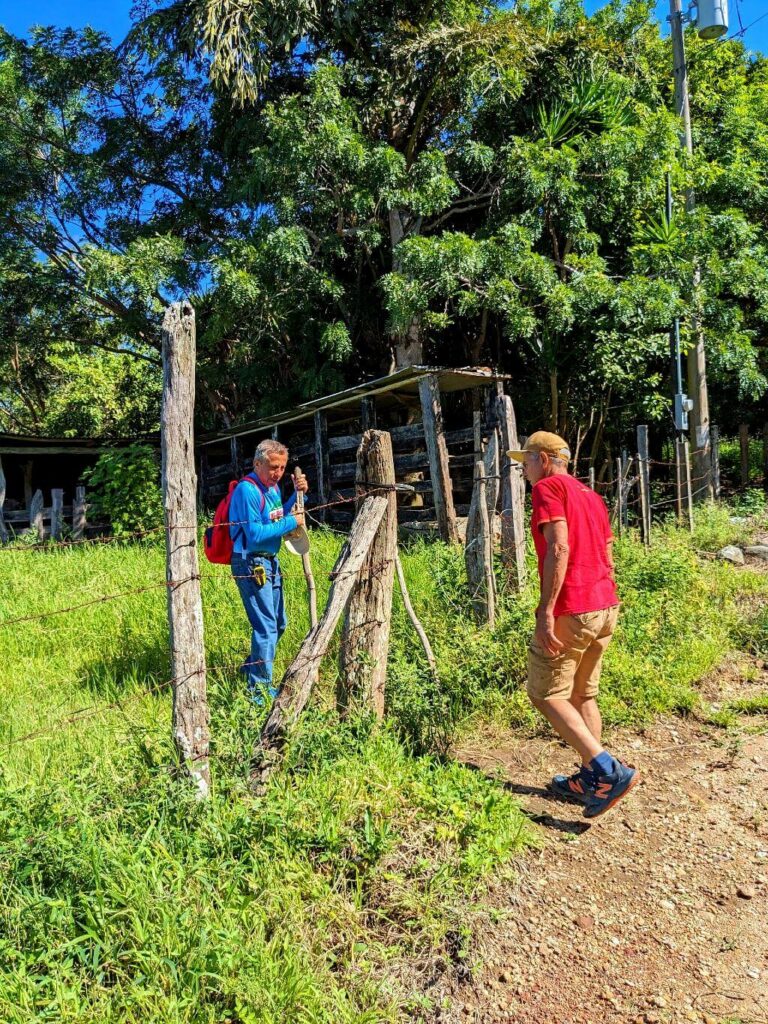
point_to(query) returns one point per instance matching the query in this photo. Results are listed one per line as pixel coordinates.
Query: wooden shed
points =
(41, 478)
(437, 418)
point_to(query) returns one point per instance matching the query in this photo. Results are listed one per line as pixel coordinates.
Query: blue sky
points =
(113, 16)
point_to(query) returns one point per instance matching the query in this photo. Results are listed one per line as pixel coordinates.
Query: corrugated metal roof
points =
(405, 381)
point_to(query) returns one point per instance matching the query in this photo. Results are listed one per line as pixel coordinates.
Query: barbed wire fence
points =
(638, 489)
(361, 588)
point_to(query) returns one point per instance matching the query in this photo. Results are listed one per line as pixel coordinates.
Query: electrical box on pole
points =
(711, 18)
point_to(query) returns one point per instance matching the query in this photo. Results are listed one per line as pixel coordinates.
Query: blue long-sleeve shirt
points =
(250, 509)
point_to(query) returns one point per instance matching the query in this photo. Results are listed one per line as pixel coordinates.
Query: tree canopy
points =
(341, 188)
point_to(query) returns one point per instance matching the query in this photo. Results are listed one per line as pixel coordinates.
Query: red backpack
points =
(217, 542)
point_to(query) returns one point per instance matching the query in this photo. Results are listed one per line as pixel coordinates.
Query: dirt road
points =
(657, 912)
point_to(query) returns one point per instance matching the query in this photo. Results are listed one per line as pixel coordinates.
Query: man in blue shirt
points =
(260, 519)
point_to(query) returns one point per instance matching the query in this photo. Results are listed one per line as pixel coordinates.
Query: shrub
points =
(126, 489)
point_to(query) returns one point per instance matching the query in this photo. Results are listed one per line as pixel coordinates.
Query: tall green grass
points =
(122, 899)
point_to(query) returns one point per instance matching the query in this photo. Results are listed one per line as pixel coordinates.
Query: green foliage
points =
(125, 489)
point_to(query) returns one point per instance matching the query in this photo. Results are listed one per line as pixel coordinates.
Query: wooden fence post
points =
(626, 486)
(306, 564)
(79, 508)
(619, 496)
(591, 478)
(512, 496)
(365, 638)
(679, 479)
(36, 515)
(765, 456)
(303, 671)
(368, 413)
(478, 552)
(185, 608)
(437, 450)
(715, 440)
(4, 537)
(644, 477)
(235, 457)
(57, 512)
(322, 464)
(28, 492)
(744, 451)
(688, 488)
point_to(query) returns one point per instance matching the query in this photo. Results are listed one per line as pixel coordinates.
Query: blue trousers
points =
(265, 608)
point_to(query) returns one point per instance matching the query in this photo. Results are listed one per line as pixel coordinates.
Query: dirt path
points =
(657, 912)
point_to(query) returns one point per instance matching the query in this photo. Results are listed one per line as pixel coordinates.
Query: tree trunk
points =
(365, 639)
(554, 403)
(185, 608)
(408, 346)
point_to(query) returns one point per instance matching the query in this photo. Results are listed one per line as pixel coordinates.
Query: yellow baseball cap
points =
(543, 441)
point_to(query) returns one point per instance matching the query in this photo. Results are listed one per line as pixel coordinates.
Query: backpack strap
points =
(258, 486)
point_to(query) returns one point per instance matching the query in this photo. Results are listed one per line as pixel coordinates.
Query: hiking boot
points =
(576, 787)
(261, 694)
(609, 789)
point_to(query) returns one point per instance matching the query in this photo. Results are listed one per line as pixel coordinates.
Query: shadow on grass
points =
(544, 819)
(124, 666)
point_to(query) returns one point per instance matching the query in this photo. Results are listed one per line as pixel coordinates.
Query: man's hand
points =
(545, 633)
(299, 517)
(300, 483)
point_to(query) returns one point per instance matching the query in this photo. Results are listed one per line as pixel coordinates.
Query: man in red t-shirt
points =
(575, 619)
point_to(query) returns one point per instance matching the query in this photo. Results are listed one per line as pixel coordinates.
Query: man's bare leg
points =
(590, 712)
(568, 723)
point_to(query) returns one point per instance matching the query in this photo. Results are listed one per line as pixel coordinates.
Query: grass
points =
(122, 899)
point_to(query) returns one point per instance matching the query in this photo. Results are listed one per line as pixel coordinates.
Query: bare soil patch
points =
(656, 912)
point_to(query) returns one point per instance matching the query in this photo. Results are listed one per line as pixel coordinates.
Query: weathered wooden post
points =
(185, 608)
(625, 487)
(619, 497)
(303, 671)
(437, 450)
(512, 496)
(765, 456)
(79, 509)
(235, 457)
(715, 439)
(688, 488)
(744, 452)
(591, 478)
(368, 413)
(478, 552)
(322, 464)
(679, 479)
(644, 479)
(28, 492)
(3, 529)
(36, 515)
(57, 512)
(365, 638)
(306, 563)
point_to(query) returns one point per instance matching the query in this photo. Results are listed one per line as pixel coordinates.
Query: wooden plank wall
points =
(411, 466)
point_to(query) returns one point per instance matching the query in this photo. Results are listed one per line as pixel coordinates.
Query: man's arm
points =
(553, 574)
(609, 556)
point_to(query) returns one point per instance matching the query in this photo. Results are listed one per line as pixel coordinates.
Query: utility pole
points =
(697, 363)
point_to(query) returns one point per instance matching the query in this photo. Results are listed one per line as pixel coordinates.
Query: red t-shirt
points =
(587, 586)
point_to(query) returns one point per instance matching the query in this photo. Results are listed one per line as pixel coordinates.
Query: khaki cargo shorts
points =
(576, 669)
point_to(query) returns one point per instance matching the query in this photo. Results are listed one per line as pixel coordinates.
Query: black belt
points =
(263, 554)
